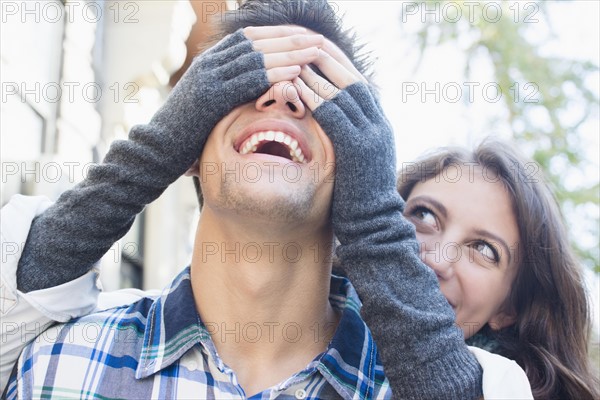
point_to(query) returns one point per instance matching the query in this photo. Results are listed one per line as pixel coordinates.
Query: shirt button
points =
(300, 394)
(191, 365)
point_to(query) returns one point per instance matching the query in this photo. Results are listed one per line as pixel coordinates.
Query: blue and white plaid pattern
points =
(157, 348)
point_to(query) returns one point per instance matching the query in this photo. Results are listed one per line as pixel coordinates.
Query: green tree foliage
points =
(547, 98)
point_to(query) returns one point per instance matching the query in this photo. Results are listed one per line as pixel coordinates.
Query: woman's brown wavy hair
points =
(550, 336)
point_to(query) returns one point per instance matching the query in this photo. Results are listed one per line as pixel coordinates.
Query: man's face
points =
(269, 159)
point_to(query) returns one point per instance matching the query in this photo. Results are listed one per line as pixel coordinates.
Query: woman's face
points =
(468, 233)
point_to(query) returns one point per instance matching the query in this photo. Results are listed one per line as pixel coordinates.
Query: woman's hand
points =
(285, 49)
(337, 68)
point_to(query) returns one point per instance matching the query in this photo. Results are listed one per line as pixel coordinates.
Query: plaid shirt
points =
(159, 348)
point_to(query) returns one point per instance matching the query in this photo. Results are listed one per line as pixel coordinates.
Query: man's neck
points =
(262, 290)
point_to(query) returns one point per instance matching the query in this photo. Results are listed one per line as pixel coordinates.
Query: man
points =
(233, 326)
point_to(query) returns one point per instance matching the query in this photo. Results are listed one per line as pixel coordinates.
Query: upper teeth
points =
(251, 144)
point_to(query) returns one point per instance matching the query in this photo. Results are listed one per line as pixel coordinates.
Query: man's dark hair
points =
(316, 15)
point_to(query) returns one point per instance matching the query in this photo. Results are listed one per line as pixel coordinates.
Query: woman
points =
(532, 305)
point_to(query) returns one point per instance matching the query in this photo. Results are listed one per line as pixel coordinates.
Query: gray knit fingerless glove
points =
(73, 234)
(423, 352)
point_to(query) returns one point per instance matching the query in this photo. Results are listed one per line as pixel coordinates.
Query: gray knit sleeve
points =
(422, 350)
(66, 240)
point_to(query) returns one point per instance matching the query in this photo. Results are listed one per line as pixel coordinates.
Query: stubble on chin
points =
(286, 207)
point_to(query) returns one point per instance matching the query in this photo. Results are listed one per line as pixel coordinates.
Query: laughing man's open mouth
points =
(274, 143)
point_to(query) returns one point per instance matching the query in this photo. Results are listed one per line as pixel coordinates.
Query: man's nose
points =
(283, 97)
(441, 258)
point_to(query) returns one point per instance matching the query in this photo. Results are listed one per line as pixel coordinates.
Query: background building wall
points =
(77, 75)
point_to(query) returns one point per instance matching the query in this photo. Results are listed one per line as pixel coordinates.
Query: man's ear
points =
(502, 319)
(194, 170)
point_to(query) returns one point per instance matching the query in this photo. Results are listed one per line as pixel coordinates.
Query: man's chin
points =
(277, 201)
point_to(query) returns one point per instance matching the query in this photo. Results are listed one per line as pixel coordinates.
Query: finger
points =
(265, 32)
(281, 74)
(288, 58)
(288, 43)
(337, 54)
(311, 99)
(334, 71)
(319, 85)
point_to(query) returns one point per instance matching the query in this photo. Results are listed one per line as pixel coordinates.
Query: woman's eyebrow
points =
(439, 206)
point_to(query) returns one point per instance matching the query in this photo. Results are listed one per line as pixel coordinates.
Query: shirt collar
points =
(174, 326)
(350, 364)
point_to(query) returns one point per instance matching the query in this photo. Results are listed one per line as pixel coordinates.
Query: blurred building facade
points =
(77, 75)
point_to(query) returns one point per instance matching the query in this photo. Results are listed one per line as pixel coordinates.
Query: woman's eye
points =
(425, 215)
(487, 251)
